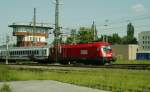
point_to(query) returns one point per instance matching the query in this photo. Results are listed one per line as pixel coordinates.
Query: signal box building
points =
(28, 34)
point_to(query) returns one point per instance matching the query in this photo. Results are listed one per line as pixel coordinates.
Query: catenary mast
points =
(57, 31)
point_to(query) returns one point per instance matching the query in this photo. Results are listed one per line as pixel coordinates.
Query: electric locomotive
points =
(89, 53)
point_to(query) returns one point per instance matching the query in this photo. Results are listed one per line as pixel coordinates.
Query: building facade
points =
(125, 52)
(144, 40)
(28, 34)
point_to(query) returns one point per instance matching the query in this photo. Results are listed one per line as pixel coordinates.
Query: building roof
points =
(38, 25)
(143, 32)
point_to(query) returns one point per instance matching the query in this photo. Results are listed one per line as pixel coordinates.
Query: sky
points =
(78, 13)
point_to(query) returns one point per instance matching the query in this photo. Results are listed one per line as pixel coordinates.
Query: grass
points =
(106, 79)
(132, 62)
(5, 88)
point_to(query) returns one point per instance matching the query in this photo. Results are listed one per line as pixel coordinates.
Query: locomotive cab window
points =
(107, 48)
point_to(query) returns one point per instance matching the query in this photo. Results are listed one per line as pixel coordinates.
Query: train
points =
(89, 53)
(39, 54)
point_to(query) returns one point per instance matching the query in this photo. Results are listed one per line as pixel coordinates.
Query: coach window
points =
(33, 52)
(30, 52)
(37, 52)
(44, 51)
(12, 52)
(27, 52)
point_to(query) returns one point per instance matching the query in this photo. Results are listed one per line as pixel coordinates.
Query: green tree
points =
(85, 35)
(73, 37)
(129, 39)
(116, 39)
(130, 30)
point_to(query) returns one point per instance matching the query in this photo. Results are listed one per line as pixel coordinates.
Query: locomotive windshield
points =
(107, 48)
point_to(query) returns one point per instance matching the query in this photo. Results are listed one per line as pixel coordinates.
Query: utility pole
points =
(34, 26)
(103, 38)
(7, 49)
(57, 31)
(106, 25)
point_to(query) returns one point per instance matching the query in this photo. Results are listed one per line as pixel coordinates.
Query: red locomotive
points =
(90, 53)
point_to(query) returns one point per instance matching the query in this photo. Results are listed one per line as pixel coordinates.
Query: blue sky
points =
(77, 13)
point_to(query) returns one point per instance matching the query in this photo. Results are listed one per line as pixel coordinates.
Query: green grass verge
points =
(5, 88)
(115, 80)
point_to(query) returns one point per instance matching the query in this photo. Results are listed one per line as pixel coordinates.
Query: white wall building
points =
(125, 52)
(144, 40)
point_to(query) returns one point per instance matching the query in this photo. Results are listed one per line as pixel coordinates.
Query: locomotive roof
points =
(85, 44)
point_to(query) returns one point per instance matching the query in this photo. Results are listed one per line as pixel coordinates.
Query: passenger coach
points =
(40, 54)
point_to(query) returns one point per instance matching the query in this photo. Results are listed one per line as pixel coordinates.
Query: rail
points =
(113, 66)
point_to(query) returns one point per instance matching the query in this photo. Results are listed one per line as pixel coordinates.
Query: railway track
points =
(113, 66)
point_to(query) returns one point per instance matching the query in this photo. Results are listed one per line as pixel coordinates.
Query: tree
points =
(129, 39)
(115, 39)
(130, 30)
(85, 35)
(73, 37)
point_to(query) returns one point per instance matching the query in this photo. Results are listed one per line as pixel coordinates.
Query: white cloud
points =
(138, 8)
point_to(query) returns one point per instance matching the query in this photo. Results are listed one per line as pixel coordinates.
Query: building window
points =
(30, 38)
(143, 37)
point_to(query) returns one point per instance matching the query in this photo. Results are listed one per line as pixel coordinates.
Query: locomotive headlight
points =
(109, 55)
